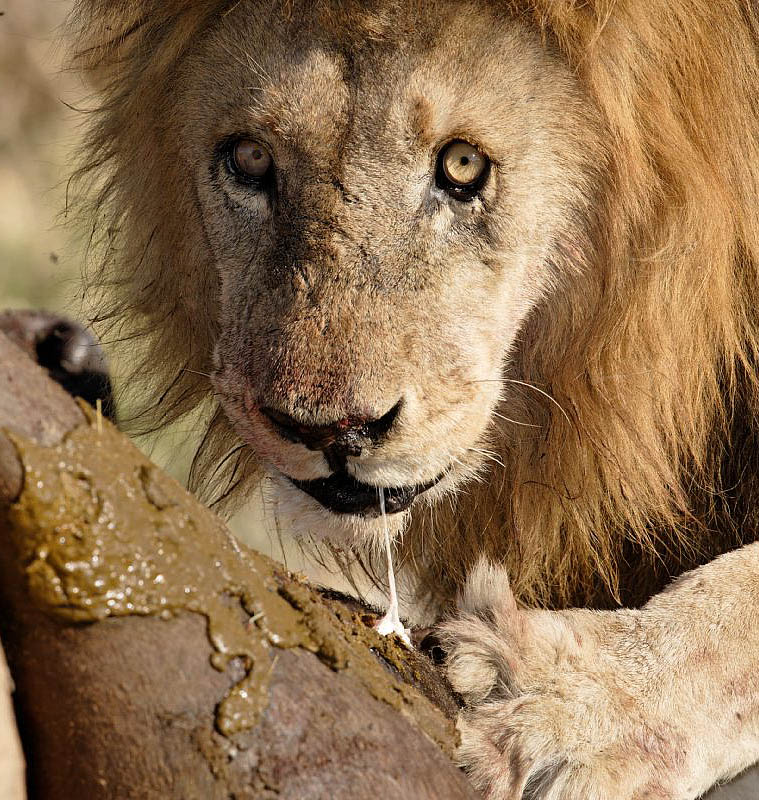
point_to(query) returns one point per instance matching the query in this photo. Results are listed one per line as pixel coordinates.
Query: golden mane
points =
(649, 355)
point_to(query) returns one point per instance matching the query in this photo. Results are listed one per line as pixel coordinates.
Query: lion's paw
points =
(558, 704)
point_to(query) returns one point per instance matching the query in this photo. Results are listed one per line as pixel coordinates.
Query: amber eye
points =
(250, 160)
(462, 169)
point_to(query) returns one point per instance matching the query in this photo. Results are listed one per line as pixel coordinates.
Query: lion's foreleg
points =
(705, 634)
(660, 702)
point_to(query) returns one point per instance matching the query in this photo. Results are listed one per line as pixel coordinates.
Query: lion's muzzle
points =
(341, 493)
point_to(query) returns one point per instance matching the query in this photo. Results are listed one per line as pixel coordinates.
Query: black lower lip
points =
(342, 494)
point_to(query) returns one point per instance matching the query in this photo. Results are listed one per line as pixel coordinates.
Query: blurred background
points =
(41, 247)
(39, 260)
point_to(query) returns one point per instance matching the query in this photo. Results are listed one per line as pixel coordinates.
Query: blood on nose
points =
(348, 435)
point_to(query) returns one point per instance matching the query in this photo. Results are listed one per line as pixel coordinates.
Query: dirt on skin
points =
(103, 533)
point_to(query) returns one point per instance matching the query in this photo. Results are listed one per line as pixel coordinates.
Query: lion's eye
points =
(462, 170)
(250, 160)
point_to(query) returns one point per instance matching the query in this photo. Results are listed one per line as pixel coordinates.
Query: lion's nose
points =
(346, 437)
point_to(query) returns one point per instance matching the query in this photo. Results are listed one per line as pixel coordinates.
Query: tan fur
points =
(576, 351)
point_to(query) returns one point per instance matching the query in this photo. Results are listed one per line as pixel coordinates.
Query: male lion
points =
(498, 258)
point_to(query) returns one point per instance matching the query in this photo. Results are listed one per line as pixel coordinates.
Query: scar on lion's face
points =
(384, 216)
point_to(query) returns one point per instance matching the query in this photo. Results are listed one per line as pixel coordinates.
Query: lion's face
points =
(383, 197)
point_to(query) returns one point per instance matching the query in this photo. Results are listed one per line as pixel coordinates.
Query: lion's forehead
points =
(323, 87)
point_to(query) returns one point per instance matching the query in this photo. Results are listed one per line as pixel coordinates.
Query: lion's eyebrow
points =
(421, 117)
(304, 101)
(275, 119)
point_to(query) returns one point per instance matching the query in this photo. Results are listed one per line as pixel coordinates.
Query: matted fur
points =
(651, 366)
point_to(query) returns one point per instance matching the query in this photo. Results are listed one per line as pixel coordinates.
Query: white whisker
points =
(489, 455)
(195, 372)
(544, 393)
(515, 421)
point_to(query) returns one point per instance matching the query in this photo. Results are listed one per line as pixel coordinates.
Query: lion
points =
(491, 264)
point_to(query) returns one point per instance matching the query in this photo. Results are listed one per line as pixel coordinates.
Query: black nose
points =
(346, 437)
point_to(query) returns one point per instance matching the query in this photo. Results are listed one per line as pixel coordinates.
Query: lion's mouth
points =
(343, 494)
